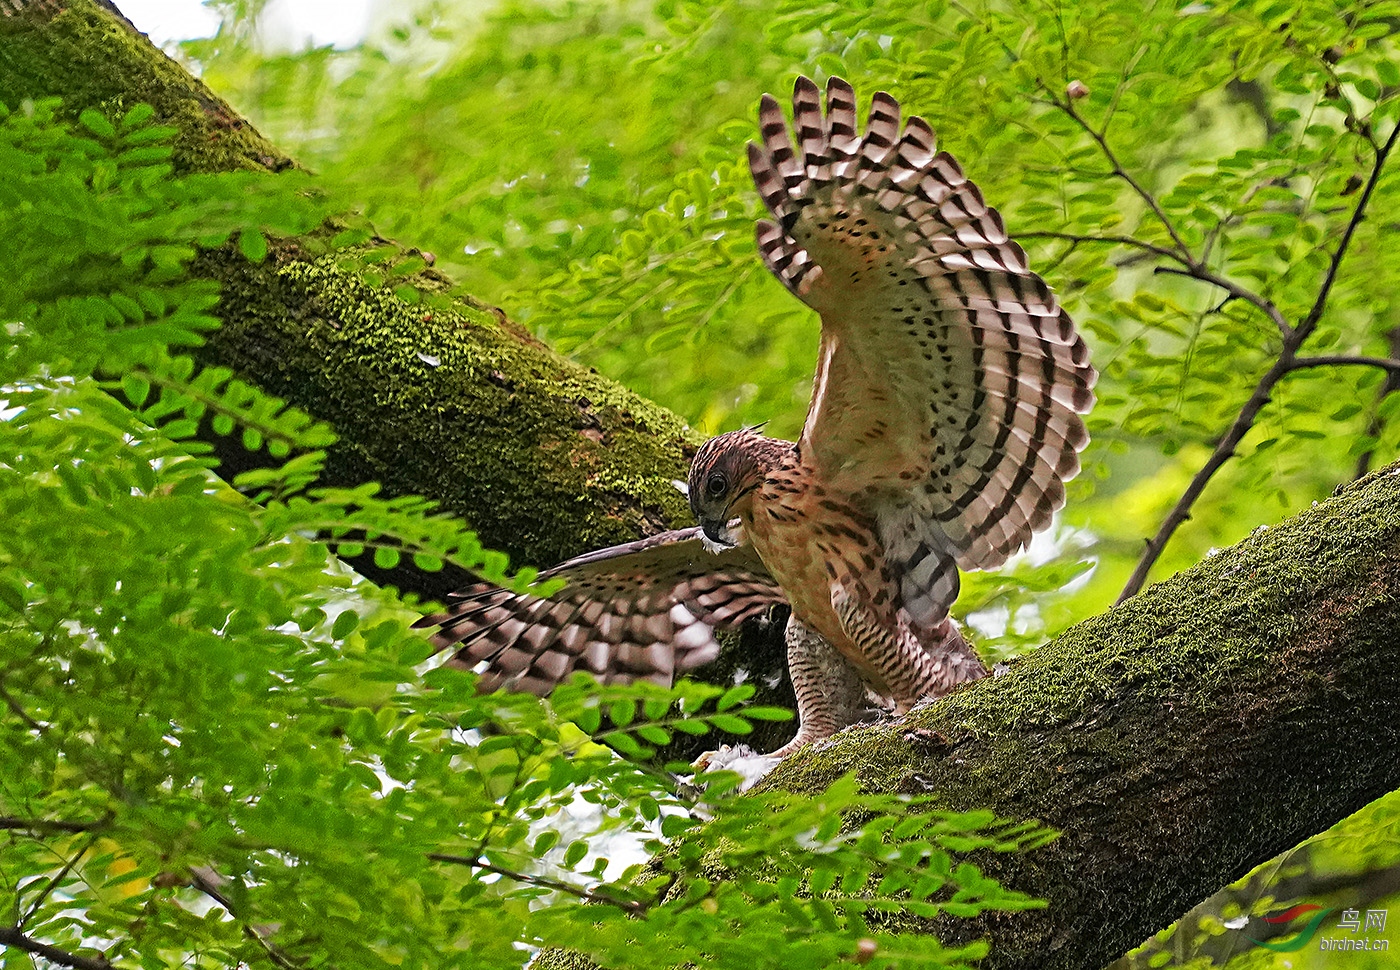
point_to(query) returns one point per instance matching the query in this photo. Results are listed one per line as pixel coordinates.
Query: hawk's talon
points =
(751, 766)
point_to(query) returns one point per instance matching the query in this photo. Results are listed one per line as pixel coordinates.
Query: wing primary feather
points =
(951, 381)
(641, 610)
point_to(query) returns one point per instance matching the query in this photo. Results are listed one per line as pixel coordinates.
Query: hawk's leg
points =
(830, 692)
(954, 657)
(911, 667)
(830, 696)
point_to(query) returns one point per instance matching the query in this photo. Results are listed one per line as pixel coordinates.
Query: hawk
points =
(945, 419)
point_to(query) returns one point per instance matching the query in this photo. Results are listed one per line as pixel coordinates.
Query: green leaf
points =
(622, 712)
(653, 734)
(734, 696)
(252, 244)
(137, 116)
(730, 724)
(574, 854)
(760, 713)
(427, 562)
(136, 388)
(546, 841)
(691, 727)
(589, 719)
(345, 624)
(97, 123)
(12, 595)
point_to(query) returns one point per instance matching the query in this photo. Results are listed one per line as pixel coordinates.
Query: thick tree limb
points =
(1177, 741)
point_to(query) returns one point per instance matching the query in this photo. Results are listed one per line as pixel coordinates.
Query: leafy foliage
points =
(219, 748)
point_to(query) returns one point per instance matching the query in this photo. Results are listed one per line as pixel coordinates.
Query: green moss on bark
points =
(542, 457)
(84, 54)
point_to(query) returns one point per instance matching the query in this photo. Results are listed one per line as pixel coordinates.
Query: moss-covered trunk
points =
(1177, 741)
(542, 456)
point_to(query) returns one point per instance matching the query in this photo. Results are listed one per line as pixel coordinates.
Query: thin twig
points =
(11, 936)
(1132, 241)
(633, 906)
(203, 879)
(19, 711)
(8, 823)
(1320, 304)
(57, 878)
(1190, 268)
(1375, 423)
(1346, 360)
(1198, 271)
(1224, 450)
(1120, 172)
(1287, 361)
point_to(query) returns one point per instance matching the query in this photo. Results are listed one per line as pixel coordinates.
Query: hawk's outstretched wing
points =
(646, 609)
(950, 383)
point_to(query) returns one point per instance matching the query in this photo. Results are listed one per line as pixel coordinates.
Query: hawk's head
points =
(725, 472)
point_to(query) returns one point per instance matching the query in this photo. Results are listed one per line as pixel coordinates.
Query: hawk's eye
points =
(716, 485)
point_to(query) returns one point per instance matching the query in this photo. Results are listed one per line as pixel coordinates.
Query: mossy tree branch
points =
(1184, 737)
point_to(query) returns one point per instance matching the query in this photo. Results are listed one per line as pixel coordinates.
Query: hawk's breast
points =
(813, 541)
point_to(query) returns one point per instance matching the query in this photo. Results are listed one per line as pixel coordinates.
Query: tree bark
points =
(543, 457)
(1176, 741)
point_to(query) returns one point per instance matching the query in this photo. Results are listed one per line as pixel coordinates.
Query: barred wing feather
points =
(950, 383)
(642, 610)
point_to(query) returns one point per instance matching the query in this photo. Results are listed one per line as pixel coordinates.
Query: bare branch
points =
(1198, 271)
(1224, 449)
(1320, 304)
(1346, 360)
(1375, 424)
(1192, 267)
(57, 879)
(9, 823)
(1287, 361)
(1189, 268)
(11, 936)
(18, 710)
(1135, 243)
(1120, 172)
(633, 906)
(207, 881)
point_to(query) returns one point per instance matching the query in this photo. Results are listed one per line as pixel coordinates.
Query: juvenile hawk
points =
(944, 422)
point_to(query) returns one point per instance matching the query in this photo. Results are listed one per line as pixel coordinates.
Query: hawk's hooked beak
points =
(716, 530)
(717, 535)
